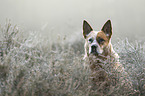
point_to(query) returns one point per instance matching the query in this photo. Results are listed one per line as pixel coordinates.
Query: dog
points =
(106, 70)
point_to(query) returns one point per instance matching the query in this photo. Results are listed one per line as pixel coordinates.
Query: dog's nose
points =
(94, 49)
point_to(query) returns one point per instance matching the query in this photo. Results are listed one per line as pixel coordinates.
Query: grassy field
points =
(32, 66)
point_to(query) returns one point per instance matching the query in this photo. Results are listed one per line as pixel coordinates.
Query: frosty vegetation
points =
(32, 66)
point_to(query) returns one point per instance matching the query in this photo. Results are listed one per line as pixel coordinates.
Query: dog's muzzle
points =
(94, 50)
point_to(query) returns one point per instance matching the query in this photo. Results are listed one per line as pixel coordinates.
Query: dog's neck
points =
(108, 54)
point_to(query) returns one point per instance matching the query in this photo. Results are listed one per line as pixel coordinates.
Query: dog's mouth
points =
(94, 53)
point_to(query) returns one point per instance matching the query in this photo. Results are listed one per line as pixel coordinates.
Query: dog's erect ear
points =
(86, 28)
(107, 29)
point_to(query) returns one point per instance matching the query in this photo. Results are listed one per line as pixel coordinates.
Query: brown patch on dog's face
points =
(102, 39)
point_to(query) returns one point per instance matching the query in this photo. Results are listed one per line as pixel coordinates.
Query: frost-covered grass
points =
(32, 66)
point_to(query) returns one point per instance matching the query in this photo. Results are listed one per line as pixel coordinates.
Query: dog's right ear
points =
(86, 28)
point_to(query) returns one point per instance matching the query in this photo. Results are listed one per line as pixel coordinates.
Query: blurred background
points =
(64, 17)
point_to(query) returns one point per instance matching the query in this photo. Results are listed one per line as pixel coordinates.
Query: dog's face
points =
(97, 41)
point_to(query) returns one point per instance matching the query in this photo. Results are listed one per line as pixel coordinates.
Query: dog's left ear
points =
(86, 28)
(107, 29)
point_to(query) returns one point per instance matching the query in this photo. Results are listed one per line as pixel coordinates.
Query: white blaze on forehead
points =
(93, 34)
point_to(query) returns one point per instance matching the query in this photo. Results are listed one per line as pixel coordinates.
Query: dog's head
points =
(97, 41)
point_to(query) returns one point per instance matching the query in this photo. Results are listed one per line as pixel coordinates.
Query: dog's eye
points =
(91, 40)
(101, 40)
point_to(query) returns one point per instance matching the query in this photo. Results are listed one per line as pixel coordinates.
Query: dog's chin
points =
(94, 53)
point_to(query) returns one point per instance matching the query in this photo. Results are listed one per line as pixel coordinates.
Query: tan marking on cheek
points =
(103, 36)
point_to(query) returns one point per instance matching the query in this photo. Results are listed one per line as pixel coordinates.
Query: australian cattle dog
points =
(107, 74)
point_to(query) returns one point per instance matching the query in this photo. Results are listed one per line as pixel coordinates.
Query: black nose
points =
(93, 49)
